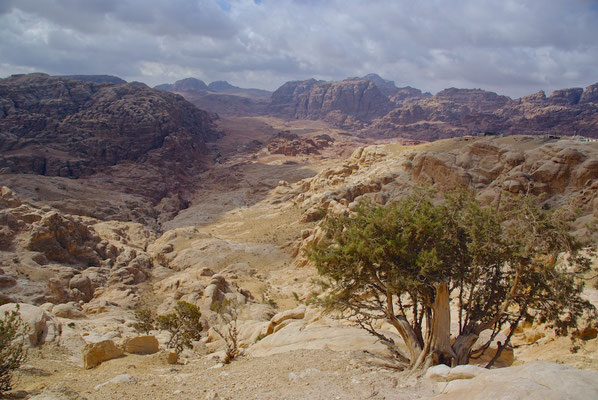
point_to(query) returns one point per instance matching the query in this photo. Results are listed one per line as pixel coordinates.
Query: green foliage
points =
(224, 323)
(499, 265)
(183, 324)
(12, 347)
(272, 303)
(146, 320)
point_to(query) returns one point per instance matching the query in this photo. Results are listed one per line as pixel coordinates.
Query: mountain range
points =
(376, 107)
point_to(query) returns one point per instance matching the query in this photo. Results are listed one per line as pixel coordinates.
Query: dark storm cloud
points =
(513, 47)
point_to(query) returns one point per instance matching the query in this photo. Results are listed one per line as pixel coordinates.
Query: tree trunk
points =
(441, 326)
(462, 347)
(405, 329)
(437, 349)
(409, 337)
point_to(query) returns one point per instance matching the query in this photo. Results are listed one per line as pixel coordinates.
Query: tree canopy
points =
(408, 261)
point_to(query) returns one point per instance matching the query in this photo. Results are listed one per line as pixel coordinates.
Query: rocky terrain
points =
(81, 253)
(66, 127)
(126, 138)
(376, 107)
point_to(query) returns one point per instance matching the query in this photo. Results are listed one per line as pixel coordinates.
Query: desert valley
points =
(118, 198)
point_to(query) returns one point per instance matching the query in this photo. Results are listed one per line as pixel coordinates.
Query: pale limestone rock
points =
(533, 381)
(120, 379)
(43, 327)
(444, 373)
(67, 310)
(96, 353)
(297, 313)
(141, 345)
(438, 373)
(320, 335)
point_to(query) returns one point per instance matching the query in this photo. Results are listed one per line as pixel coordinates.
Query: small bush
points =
(12, 349)
(224, 323)
(145, 320)
(183, 324)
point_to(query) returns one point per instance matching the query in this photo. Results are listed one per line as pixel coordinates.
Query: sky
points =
(507, 46)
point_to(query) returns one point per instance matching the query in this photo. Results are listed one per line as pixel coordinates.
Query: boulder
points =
(296, 313)
(141, 345)
(444, 373)
(43, 327)
(8, 198)
(533, 381)
(588, 333)
(96, 353)
(67, 310)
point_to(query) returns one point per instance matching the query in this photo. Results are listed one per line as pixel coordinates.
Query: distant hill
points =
(184, 85)
(220, 96)
(95, 78)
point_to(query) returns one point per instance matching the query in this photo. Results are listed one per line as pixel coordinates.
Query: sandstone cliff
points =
(377, 108)
(65, 127)
(347, 102)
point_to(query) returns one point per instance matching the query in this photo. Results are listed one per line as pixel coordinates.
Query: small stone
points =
(120, 379)
(588, 333)
(211, 395)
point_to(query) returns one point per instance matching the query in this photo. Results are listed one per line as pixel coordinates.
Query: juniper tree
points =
(183, 324)
(405, 262)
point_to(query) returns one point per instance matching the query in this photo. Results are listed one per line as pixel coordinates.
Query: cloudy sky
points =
(508, 46)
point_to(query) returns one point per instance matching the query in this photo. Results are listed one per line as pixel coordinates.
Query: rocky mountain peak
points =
(357, 98)
(566, 96)
(538, 97)
(590, 94)
(221, 86)
(184, 85)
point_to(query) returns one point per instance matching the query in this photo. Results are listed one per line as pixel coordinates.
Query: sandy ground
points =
(322, 374)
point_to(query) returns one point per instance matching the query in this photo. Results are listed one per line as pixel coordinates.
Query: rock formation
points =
(184, 85)
(290, 144)
(376, 107)
(347, 102)
(70, 128)
(57, 257)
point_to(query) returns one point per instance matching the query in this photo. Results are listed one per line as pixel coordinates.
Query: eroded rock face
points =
(43, 327)
(63, 239)
(556, 169)
(66, 127)
(357, 98)
(56, 257)
(536, 380)
(378, 108)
